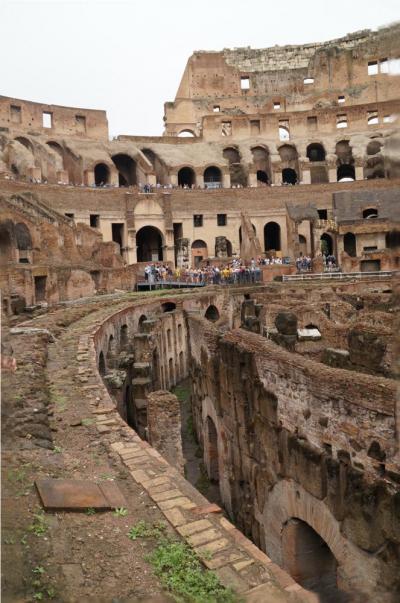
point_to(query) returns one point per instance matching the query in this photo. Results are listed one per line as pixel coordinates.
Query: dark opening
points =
(117, 230)
(322, 214)
(212, 450)
(289, 176)
(186, 177)
(326, 244)
(94, 220)
(149, 244)
(349, 241)
(102, 364)
(345, 171)
(6, 247)
(393, 239)
(262, 176)
(101, 174)
(370, 265)
(168, 307)
(24, 242)
(272, 236)
(95, 274)
(123, 336)
(40, 288)
(212, 313)
(316, 152)
(126, 167)
(130, 409)
(309, 560)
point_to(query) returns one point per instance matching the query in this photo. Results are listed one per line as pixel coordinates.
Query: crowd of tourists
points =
(304, 263)
(230, 273)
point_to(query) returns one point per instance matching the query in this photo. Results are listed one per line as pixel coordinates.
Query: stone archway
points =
(357, 571)
(149, 243)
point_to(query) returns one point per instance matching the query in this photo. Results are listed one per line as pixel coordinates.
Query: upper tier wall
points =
(52, 120)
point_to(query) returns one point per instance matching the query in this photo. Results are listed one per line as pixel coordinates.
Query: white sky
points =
(127, 56)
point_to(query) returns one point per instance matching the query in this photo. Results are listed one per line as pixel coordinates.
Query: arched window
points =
(370, 212)
(199, 252)
(315, 152)
(283, 133)
(25, 142)
(272, 237)
(101, 174)
(186, 177)
(149, 244)
(123, 336)
(126, 167)
(212, 177)
(168, 307)
(349, 242)
(186, 134)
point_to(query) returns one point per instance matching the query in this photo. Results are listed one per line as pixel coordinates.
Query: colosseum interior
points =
(257, 422)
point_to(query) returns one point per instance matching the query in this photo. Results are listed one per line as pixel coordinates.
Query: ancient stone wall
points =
(297, 439)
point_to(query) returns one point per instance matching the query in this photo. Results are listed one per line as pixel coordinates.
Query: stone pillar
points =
(35, 173)
(88, 178)
(332, 175)
(359, 172)
(173, 179)
(151, 179)
(277, 178)
(252, 180)
(132, 249)
(200, 179)
(164, 426)
(114, 177)
(62, 176)
(305, 176)
(182, 256)
(226, 180)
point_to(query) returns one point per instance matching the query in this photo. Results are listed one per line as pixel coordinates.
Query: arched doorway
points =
(212, 313)
(101, 174)
(289, 176)
(199, 252)
(326, 243)
(309, 560)
(302, 245)
(186, 177)
(149, 244)
(212, 451)
(261, 161)
(349, 242)
(272, 237)
(212, 177)
(126, 167)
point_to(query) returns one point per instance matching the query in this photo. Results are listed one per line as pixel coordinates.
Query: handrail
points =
(337, 275)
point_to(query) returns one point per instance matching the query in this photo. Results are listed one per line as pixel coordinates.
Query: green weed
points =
(120, 512)
(145, 530)
(39, 525)
(90, 511)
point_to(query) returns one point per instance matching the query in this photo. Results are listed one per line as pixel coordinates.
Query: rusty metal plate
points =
(64, 494)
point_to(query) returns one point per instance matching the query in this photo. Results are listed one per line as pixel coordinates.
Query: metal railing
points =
(337, 276)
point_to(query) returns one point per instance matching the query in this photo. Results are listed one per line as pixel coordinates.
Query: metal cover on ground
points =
(78, 495)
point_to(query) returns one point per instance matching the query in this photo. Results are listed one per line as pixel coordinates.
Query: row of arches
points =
(130, 171)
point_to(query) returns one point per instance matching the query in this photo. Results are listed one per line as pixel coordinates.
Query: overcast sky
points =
(127, 56)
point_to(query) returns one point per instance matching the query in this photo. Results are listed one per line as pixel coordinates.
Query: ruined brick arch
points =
(25, 142)
(236, 168)
(7, 240)
(288, 500)
(212, 313)
(127, 169)
(212, 175)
